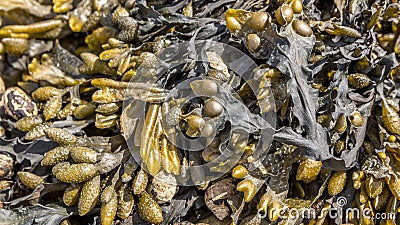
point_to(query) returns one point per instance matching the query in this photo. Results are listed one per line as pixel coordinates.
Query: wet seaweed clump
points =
(199, 112)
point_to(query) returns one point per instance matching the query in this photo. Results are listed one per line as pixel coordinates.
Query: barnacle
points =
(30, 180)
(89, 195)
(148, 209)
